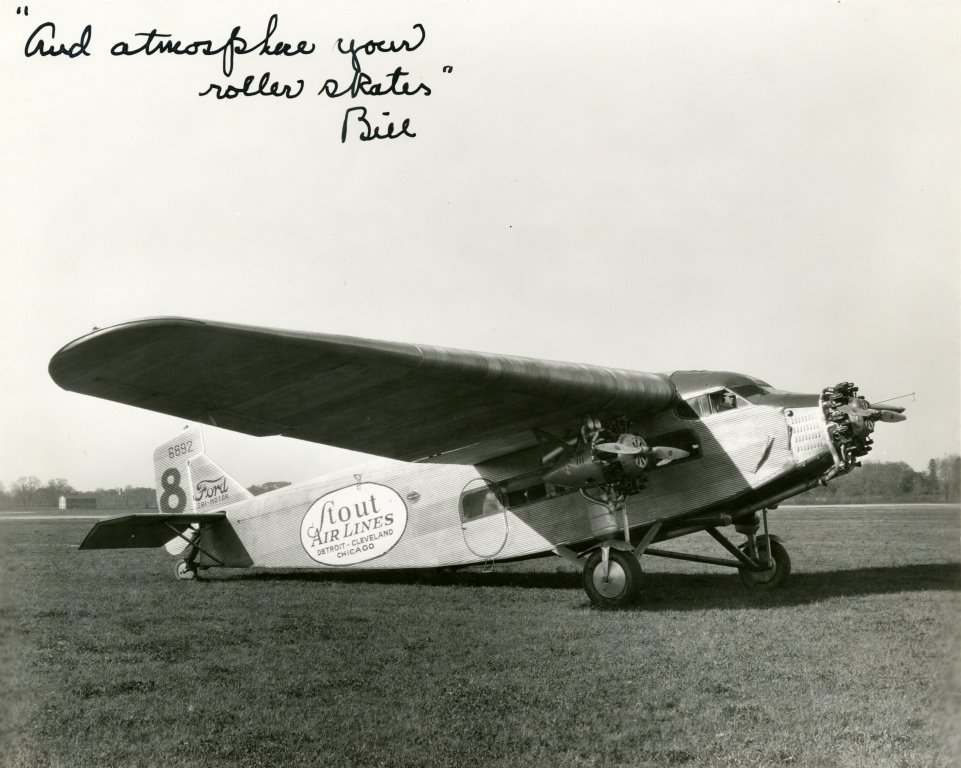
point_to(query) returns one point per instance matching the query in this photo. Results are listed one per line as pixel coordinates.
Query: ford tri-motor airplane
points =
(484, 457)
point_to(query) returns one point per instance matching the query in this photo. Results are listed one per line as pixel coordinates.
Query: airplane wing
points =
(402, 401)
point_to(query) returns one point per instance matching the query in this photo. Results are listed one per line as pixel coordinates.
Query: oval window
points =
(483, 518)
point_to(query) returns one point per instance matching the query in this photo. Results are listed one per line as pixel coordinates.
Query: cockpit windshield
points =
(750, 390)
(754, 389)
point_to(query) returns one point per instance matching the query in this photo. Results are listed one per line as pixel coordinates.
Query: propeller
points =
(889, 416)
(632, 445)
(895, 408)
(888, 413)
(625, 445)
(664, 454)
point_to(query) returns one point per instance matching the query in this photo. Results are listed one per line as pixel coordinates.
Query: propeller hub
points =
(851, 419)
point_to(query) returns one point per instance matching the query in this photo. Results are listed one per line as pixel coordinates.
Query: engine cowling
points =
(605, 461)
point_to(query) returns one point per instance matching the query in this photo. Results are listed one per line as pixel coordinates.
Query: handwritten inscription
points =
(360, 122)
(364, 84)
(265, 87)
(370, 131)
(37, 44)
(155, 42)
(382, 46)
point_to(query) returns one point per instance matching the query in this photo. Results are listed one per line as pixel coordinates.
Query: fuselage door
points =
(483, 518)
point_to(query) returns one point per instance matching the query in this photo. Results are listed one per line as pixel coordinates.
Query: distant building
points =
(80, 502)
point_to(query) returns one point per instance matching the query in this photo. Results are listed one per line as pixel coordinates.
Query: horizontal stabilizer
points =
(143, 531)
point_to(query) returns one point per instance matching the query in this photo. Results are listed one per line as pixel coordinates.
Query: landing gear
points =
(612, 581)
(762, 562)
(186, 570)
(778, 567)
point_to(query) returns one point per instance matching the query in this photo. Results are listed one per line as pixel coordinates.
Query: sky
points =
(767, 187)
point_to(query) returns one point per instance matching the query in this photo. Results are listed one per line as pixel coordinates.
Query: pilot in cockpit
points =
(724, 401)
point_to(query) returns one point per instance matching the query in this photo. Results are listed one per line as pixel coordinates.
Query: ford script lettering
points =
(211, 489)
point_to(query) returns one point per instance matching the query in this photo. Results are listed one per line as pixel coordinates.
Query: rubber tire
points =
(623, 565)
(185, 571)
(774, 578)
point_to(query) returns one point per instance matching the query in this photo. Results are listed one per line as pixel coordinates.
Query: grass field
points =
(107, 660)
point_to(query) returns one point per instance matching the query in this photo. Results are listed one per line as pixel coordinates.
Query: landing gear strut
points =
(777, 567)
(186, 569)
(612, 577)
(772, 564)
(612, 572)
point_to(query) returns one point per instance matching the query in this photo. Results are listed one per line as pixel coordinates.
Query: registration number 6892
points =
(180, 449)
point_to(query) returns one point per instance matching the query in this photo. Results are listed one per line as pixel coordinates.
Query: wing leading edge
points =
(399, 400)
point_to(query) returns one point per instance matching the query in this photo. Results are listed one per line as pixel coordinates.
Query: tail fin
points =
(187, 480)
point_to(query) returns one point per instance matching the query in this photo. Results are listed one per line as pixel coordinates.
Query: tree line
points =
(886, 482)
(874, 483)
(30, 492)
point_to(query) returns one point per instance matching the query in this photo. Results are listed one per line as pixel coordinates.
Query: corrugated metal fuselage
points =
(391, 514)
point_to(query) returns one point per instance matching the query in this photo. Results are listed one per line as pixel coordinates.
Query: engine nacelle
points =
(603, 463)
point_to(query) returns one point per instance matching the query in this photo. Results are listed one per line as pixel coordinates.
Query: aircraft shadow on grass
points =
(672, 591)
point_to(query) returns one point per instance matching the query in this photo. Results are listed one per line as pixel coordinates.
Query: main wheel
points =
(186, 571)
(777, 572)
(620, 586)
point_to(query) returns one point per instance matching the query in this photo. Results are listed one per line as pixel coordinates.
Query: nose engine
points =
(850, 422)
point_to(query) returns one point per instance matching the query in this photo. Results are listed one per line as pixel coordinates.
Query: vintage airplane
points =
(486, 457)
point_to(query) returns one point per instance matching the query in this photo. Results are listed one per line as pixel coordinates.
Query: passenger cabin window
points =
(527, 495)
(480, 502)
(709, 403)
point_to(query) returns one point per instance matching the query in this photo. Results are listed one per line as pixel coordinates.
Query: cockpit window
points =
(718, 401)
(725, 400)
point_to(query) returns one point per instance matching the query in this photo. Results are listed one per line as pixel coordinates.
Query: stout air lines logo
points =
(353, 524)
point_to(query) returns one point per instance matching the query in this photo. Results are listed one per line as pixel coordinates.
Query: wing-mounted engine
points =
(613, 458)
(851, 419)
(607, 465)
